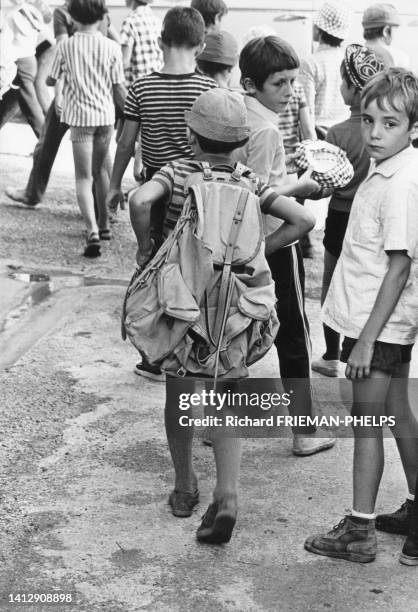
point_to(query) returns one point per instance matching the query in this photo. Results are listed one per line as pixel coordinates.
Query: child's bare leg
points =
(369, 397)
(227, 452)
(405, 429)
(101, 145)
(82, 152)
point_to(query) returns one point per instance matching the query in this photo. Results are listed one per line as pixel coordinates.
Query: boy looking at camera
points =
(373, 301)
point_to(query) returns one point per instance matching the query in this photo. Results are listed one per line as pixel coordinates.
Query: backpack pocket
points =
(175, 297)
(257, 302)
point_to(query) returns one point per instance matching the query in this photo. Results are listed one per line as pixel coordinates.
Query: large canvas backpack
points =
(205, 303)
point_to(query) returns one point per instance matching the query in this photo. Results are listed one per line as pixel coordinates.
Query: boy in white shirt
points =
(373, 301)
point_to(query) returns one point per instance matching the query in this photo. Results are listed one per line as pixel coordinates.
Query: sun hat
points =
(219, 114)
(221, 48)
(330, 164)
(361, 64)
(334, 19)
(378, 15)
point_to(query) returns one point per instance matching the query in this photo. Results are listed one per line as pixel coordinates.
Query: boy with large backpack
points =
(210, 269)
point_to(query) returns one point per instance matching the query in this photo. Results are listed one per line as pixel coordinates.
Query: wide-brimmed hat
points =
(219, 114)
(220, 48)
(330, 164)
(361, 64)
(334, 19)
(379, 15)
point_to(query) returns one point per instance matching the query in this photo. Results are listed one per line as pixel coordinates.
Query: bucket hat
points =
(221, 48)
(333, 18)
(219, 114)
(379, 15)
(330, 165)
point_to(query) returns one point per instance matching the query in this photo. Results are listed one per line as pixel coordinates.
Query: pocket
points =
(258, 302)
(174, 296)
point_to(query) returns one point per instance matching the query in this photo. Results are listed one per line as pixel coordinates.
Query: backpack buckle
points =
(207, 172)
(239, 170)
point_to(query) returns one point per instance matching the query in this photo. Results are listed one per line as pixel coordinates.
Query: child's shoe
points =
(304, 446)
(183, 502)
(327, 367)
(353, 539)
(398, 521)
(93, 245)
(409, 554)
(149, 371)
(218, 523)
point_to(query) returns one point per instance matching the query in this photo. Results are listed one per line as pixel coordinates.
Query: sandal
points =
(93, 246)
(105, 234)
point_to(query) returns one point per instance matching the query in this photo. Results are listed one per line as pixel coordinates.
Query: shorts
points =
(335, 228)
(101, 133)
(386, 357)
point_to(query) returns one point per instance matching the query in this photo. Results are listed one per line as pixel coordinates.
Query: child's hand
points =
(306, 186)
(358, 364)
(58, 105)
(114, 199)
(142, 258)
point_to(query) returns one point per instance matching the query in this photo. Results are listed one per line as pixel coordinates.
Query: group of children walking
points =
(370, 287)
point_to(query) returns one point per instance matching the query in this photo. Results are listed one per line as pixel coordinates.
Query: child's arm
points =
(140, 213)
(119, 95)
(298, 222)
(124, 152)
(307, 127)
(358, 364)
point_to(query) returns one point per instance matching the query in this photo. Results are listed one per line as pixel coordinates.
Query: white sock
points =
(410, 496)
(363, 515)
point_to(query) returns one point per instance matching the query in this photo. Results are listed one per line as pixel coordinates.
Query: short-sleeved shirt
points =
(90, 65)
(289, 124)
(347, 136)
(140, 31)
(173, 175)
(384, 217)
(321, 79)
(157, 102)
(264, 153)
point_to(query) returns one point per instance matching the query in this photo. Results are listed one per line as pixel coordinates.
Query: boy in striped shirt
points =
(92, 71)
(155, 107)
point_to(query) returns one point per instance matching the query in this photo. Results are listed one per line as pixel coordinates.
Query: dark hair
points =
(212, 68)
(265, 55)
(209, 9)
(398, 88)
(216, 146)
(87, 11)
(373, 33)
(328, 39)
(183, 27)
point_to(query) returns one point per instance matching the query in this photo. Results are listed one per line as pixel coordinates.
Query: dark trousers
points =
(293, 342)
(44, 155)
(24, 97)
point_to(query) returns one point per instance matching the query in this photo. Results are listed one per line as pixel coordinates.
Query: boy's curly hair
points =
(397, 88)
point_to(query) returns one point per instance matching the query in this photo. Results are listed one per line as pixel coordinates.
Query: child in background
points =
(155, 107)
(358, 66)
(218, 57)
(91, 66)
(212, 11)
(269, 67)
(373, 301)
(217, 125)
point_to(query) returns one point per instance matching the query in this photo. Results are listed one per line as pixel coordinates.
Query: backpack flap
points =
(174, 295)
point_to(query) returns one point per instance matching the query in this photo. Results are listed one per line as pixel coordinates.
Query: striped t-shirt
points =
(90, 65)
(173, 175)
(158, 101)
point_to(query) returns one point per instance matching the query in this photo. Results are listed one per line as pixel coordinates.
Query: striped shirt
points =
(140, 31)
(158, 101)
(173, 175)
(289, 126)
(90, 64)
(321, 79)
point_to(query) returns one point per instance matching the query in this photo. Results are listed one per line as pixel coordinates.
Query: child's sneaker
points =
(328, 367)
(353, 539)
(149, 371)
(409, 554)
(398, 521)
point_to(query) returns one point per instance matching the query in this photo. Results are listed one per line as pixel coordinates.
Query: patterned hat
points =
(334, 19)
(361, 64)
(331, 167)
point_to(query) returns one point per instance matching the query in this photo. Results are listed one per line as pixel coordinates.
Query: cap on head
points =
(361, 64)
(334, 19)
(220, 48)
(379, 15)
(219, 114)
